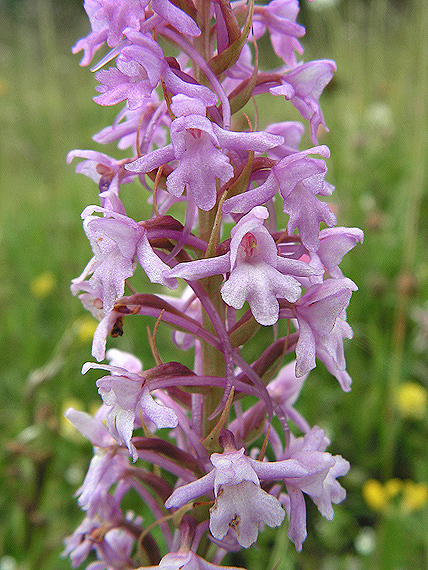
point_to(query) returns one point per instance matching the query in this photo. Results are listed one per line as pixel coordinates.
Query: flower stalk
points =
(220, 469)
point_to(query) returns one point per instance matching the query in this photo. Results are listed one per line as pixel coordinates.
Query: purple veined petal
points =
(125, 394)
(323, 312)
(176, 17)
(323, 469)
(306, 213)
(309, 79)
(333, 492)
(333, 342)
(244, 506)
(178, 85)
(316, 440)
(116, 87)
(303, 86)
(342, 376)
(318, 464)
(144, 46)
(200, 268)
(90, 45)
(114, 370)
(254, 277)
(279, 16)
(278, 470)
(121, 424)
(161, 415)
(260, 285)
(336, 242)
(305, 349)
(110, 276)
(231, 468)
(243, 203)
(120, 391)
(297, 512)
(300, 168)
(184, 106)
(121, 16)
(154, 267)
(286, 386)
(139, 68)
(285, 45)
(327, 290)
(153, 160)
(319, 313)
(297, 268)
(106, 468)
(125, 235)
(123, 359)
(292, 133)
(90, 427)
(285, 89)
(100, 335)
(197, 171)
(257, 141)
(91, 155)
(108, 22)
(191, 491)
(234, 291)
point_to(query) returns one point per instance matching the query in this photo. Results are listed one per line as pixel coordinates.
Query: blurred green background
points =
(377, 111)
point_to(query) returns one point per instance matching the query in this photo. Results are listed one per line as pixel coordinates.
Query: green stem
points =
(418, 138)
(213, 359)
(202, 43)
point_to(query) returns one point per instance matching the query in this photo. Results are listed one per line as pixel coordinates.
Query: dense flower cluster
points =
(184, 70)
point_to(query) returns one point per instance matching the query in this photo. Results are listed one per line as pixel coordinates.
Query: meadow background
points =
(377, 111)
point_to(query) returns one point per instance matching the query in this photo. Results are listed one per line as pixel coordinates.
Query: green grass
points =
(377, 112)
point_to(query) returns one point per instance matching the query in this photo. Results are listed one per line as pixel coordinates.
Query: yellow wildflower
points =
(393, 487)
(415, 496)
(375, 495)
(412, 400)
(43, 285)
(85, 328)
